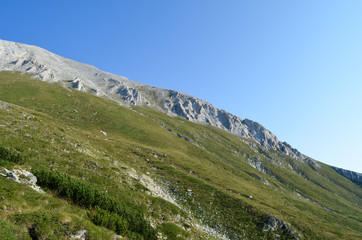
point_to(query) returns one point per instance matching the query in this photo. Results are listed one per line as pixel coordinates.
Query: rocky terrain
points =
(353, 176)
(50, 67)
(63, 151)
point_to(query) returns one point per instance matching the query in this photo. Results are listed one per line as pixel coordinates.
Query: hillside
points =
(50, 67)
(155, 175)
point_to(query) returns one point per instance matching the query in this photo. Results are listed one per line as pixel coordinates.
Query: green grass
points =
(172, 231)
(10, 155)
(86, 195)
(9, 231)
(110, 220)
(23, 208)
(209, 175)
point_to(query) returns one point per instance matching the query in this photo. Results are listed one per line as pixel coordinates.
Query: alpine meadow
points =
(86, 154)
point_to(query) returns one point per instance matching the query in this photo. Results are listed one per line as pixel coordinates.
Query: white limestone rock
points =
(24, 177)
(353, 176)
(50, 67)
(81, 234)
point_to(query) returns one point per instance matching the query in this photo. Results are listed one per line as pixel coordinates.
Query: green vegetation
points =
(11, 155)
(209, 175)
(109, 220)
(41, 224)
(172, 231)
(10, 231)
(86, 195)
(25, 213)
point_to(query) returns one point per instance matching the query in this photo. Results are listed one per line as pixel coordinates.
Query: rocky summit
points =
(353, 176)
(50, 67)
(86, 154)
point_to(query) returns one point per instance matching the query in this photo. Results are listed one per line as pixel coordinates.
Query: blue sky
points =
(293, 66)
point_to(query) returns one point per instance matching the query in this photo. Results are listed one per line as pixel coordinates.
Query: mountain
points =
(353, 176)
(50, 67)
(90, 155)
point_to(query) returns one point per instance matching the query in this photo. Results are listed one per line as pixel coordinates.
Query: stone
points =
(353, 176)
(81, 234)
(50, 67)
(104, 133)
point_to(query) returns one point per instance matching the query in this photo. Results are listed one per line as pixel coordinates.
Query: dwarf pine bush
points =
(89, 196)
(11, 155)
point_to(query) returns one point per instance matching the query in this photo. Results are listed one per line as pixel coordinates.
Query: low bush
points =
(172, 231)
(11, 155)
(108, 220)
(42, 224)
(86, 195)
(10, 231)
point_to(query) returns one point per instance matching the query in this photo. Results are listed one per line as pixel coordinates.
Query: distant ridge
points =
(50, 67)
(353, 176)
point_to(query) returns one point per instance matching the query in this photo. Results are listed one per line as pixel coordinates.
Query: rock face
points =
(50, 67)
(353, 176)
(22, 176)
(274, 224)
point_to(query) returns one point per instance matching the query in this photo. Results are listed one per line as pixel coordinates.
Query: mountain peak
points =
(50, 67)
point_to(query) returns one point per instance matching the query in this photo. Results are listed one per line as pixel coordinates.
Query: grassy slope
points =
(65, 135)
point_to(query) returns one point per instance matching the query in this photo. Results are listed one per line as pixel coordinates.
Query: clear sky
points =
(293, 66)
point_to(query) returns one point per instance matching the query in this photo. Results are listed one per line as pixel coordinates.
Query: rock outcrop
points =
(50, 67)
(22, 176)
(353, 176)
(275, 224)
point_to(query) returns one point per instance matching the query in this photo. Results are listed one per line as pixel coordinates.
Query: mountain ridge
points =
(227, 183)
(50, 67)
(351, 175)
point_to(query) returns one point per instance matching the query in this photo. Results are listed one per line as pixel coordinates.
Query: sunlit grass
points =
(59, 129)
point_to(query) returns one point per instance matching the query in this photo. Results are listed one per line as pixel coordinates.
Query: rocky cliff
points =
(353, 176)
(50, 67)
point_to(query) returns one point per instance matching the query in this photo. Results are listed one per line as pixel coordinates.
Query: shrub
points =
(11, 155)
(89, 196)
(10, 231)
(172, 231)
(41, 224)
(109, 220)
